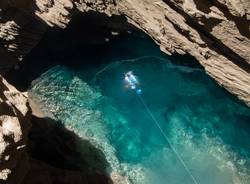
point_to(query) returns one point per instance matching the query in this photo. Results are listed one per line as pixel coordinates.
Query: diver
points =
(132, 82)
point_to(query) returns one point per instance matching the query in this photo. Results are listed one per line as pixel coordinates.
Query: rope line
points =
(148, 110)
(168, 141)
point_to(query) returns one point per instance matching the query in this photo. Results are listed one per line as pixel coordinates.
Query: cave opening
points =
(75, 76)
(85, 42)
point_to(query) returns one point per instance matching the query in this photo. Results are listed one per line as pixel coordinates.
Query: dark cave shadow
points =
(80, 44)
(29, 32)
(52, 143)
(203, 6)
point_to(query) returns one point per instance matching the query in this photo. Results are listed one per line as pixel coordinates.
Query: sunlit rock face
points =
(207, 126)
(14, 126)
(207, 30)
(215, 32)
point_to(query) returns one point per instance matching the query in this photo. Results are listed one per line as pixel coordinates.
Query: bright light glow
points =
(132, 82)
(138, 91)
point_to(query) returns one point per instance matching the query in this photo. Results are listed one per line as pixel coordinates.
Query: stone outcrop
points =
(215, 32)
(16, 165)
(14, 126)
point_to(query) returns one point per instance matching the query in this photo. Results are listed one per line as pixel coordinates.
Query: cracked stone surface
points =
(215, 32)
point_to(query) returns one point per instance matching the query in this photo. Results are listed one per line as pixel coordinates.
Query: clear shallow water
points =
(208, 127)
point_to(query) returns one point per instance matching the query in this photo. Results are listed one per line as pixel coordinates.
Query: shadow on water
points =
(51, 142)
(80, 44)
(83, 45)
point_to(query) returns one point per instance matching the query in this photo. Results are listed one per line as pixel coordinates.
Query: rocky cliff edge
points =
(215, 32)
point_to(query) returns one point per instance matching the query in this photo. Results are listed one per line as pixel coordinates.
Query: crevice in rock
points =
(203, 6)
(212, 42)
(241, 22)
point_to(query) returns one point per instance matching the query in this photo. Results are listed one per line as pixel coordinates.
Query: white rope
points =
(148, 110)
(168, 141)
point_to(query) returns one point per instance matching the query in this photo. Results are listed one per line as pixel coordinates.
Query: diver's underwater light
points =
(132, 82)
(138, 91)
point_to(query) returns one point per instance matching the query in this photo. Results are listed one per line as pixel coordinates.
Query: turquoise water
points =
(207, 126)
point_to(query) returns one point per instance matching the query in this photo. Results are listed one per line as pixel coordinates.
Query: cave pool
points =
(208, 127)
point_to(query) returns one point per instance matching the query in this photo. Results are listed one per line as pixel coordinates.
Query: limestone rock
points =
(215, 32)
(16, 166)
(14, 126)
(207, 30)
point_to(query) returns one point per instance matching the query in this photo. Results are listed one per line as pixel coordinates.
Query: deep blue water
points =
(206, 125)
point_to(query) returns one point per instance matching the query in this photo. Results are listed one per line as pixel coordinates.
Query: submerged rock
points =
(20, 165)
(199, 124)
(62, 95)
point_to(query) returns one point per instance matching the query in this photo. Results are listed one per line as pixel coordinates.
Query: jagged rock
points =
(207, 30)
(215, 32)
(18, 34)
(14, 126)
(16, 165)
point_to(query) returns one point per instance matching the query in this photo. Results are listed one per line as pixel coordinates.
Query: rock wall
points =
(16, 165)
(14, 126)
(215, 32)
